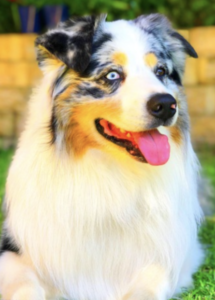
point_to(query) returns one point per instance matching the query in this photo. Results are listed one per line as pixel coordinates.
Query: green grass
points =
(207, 158)
(204, 279)
(5, 159)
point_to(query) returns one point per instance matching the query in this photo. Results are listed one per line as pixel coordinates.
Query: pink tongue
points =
(154, 146)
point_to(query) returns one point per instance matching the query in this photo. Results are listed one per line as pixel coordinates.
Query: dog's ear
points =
(159, 26)
(187, 47)
(70, 43)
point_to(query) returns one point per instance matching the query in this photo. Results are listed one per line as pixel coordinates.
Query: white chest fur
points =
(96, 223)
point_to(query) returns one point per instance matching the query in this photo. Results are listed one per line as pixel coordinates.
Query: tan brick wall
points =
(19, 72)
(199, 81)
(203, 39)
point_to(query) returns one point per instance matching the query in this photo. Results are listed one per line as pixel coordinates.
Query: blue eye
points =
(113, 75)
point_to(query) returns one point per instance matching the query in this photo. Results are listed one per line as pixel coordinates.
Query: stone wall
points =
(19, 72)
(200, 84)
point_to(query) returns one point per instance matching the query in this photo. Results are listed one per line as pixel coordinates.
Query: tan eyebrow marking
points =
(150, 60)
(119, 58)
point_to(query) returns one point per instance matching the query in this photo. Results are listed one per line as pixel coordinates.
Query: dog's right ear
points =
(69, 44)
(186, 45)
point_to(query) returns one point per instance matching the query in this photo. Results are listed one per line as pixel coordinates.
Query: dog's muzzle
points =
(162, 106)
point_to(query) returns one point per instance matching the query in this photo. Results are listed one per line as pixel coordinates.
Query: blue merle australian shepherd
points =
(101, 198)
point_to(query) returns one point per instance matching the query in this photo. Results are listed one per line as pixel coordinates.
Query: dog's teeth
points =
(122, 130)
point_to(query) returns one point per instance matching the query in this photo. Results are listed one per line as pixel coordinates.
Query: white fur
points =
(98, 228)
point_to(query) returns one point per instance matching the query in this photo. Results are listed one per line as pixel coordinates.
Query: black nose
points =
(162, 106)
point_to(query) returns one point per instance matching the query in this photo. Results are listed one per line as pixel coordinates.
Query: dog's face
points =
(117, 86)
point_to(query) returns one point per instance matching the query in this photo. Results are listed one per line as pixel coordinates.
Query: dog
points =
(101, 198)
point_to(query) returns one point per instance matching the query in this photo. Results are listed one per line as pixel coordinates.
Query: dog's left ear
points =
(70, 43)
(186, 45)
(160, 26)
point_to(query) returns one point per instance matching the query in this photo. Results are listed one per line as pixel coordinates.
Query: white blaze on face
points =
(141, 82)
(134, 51)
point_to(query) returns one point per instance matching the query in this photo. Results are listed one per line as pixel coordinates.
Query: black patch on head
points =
(55, 43)
(53, 127)
(187, 47)
(59, 82)
(73, 49)
(162, 55)
(7, 244)
(90, 91)
(103, 38)
(175, 77)
(95, 66)
(81, 45)
(95, 63)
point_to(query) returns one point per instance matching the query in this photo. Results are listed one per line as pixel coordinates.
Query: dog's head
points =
(118, 85)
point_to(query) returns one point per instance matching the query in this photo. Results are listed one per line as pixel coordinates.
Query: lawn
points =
(5, 158)
(204, 279)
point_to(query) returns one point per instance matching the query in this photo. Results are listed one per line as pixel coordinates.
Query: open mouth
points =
(146, 146)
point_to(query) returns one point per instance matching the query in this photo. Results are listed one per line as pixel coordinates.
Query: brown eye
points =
(160, 72)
